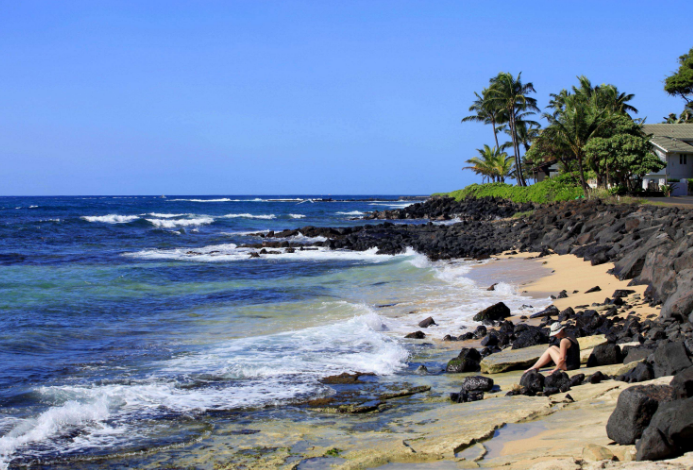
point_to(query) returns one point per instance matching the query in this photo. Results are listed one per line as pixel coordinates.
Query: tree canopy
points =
(680, 83)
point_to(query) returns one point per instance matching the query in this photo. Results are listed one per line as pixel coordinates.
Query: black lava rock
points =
(604, 355)
(477, 384)
(533, 382)
(670, 432)
(495, 312)
(634, 409)
(670, 358)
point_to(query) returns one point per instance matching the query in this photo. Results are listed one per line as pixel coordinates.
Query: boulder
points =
(670, 432)
(533, 382)
(604, 355)
(427, 322)
(558, 379)
(683, 383)
(593, 289)
(637, 354)
(465, 396)
(640, 373)
(416, 335)
(634, 409)
(670, 358)
(495, 312)
(466, 361)
(490, 340)
(477, 384)
(530, 337)
(680, 302)
(480, 331)
(576, 380)
(547, 312)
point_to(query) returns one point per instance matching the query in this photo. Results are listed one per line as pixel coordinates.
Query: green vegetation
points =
(560, 188)
(680, 83)
(591, 135)
(505, 105)
(520, 215)
(491, 163)
(334, 452)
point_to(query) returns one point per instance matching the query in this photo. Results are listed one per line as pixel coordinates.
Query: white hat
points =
(556, 328)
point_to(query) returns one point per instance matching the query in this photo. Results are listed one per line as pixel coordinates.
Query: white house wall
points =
(677, 170)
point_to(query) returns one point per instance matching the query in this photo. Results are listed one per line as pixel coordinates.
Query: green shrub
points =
(560, 188)
(520, 215)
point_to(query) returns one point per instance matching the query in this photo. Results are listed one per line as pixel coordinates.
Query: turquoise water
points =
(123, 319)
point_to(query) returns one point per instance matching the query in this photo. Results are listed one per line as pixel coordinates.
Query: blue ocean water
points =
(122, 315)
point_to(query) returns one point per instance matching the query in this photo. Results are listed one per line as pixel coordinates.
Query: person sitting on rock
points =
(566, 355)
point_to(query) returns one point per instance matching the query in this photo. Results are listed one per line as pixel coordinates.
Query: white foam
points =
(231, 252)
(166, 216)
(258, 371)
(225, 199)
(250, 232)
(394, 205)
(354, 213)
(111, 218)
(297, 216)
(33, 207)
(168, 223)
(249, 216)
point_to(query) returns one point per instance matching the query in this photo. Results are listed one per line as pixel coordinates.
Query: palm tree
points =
(607, 97)
(574, 125)
(492, 164)
(510, 94)
(486, 112)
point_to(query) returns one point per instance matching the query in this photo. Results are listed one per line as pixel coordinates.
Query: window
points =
(682, 160)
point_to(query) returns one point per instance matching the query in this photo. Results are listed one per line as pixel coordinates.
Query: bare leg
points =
(551, 354)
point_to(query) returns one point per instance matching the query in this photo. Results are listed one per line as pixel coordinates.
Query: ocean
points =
(133, 323)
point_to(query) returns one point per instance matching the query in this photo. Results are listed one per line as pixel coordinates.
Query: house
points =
(673, 143)
(544, 170)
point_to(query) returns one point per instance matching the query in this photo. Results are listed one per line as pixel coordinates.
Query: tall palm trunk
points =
(516, 148)
(582, 174)
(495, 134)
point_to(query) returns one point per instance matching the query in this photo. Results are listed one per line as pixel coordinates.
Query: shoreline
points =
(426, 430)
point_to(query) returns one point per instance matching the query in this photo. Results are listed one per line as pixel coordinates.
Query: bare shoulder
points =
(566, 342)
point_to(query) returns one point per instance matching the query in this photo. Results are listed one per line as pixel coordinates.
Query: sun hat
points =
(556, 328)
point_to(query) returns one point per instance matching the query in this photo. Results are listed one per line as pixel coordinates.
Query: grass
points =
(560, 188)
(334, 452)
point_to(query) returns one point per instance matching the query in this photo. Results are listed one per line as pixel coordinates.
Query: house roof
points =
(671, 137)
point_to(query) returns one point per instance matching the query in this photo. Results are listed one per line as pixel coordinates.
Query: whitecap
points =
(168, 223)
(297, 216)
(353, 213)
(230, 252)
(111, 218)
(225, 199)
(249, 216)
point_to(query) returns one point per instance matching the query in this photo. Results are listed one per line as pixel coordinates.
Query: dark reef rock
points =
(670, 432)
(635, 408)
(495, 312)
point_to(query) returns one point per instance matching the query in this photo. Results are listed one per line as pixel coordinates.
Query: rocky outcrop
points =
(467, 361)
(446, 208)
(670, 432)
(634, 410)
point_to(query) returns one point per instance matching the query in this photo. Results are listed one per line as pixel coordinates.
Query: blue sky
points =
(295, 97)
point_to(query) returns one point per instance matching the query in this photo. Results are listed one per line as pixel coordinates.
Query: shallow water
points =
(115, 338)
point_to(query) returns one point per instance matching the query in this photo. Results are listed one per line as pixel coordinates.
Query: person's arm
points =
(563, 354)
